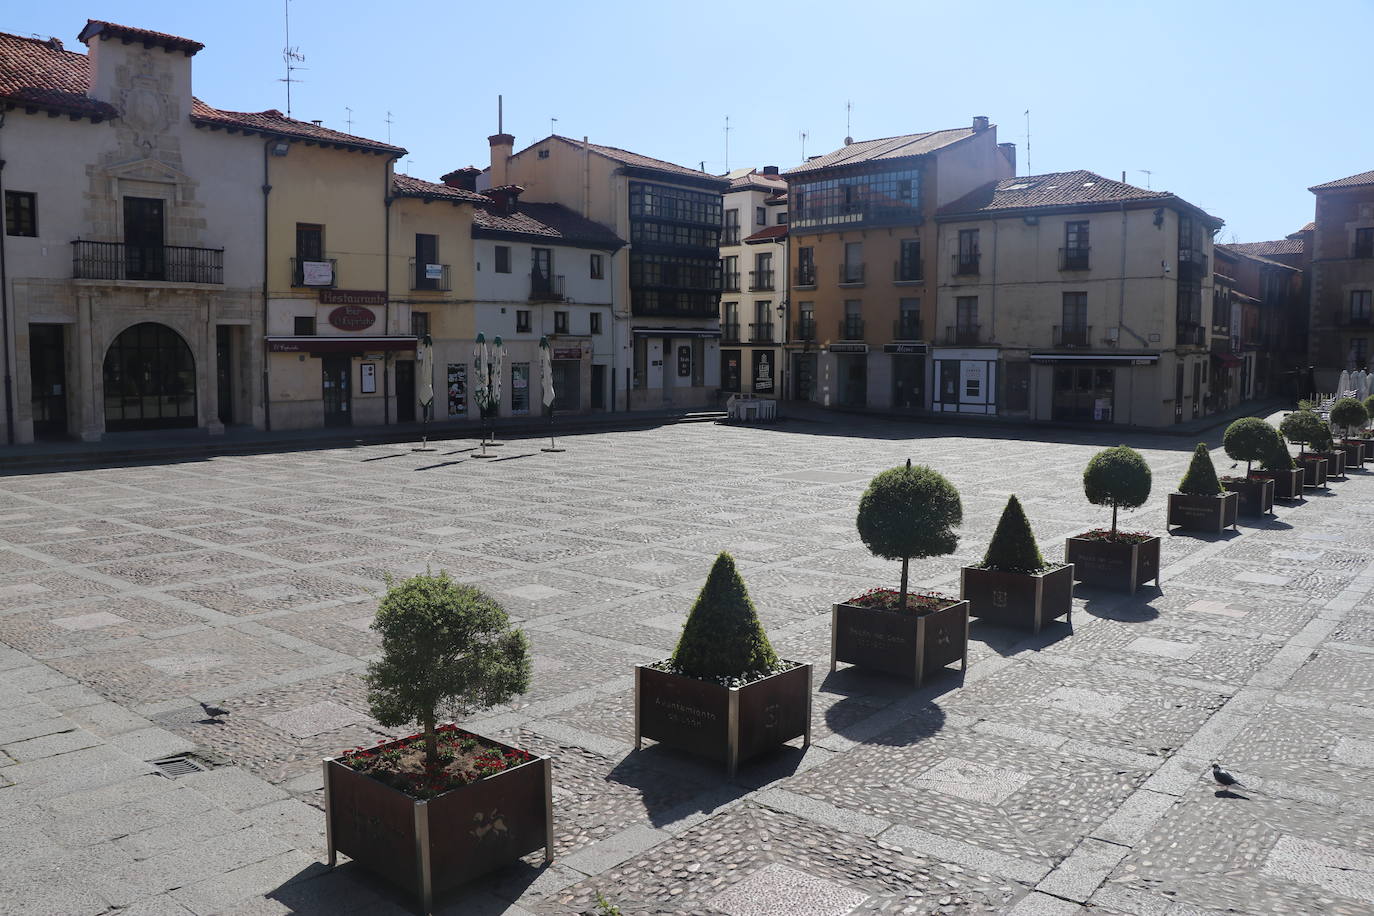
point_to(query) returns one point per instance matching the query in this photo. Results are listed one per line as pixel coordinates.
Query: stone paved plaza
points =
(1064, 773)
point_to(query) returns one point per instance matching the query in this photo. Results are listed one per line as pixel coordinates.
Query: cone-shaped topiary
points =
(1303, 427)
(1201, 477)
(1248, 439)
(1276, 456)
(1348, 414)
(908, 513)
(1013, 547)
(1117, 477)
(723, 636)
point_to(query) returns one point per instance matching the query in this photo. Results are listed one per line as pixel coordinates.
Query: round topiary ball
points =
(1117, 477)
(1248, 439)
(1348, 414)
(1303, 427)
(908, 513)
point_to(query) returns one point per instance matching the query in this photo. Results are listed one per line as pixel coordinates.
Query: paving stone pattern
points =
(1065, 772)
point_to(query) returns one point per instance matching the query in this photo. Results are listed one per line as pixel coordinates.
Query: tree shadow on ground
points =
(1264, 523)
(656, 766)
(1119, 606)
(853, 716)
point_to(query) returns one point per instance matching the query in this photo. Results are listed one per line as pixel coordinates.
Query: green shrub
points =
(1117, 477)
(1276, 457)
(1013, 547)
(1348, 414)
(723, 637)
(907, 513)
(446, 648)
(1303, 427)
(1322, 440)
(1369, 405)
(1248, 439)
(1201, 477)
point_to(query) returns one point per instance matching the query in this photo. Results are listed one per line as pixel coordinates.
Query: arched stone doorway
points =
(150, 380)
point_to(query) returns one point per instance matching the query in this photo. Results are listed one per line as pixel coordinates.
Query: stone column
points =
(207, 373)
(90, 400)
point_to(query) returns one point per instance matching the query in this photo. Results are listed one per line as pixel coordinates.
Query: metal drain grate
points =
(179, 765)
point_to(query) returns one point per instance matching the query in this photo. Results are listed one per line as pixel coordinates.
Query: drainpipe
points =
(5, 320)
(266, 347)
(387, 198)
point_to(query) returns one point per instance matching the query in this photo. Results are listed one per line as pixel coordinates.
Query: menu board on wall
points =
(457, 389)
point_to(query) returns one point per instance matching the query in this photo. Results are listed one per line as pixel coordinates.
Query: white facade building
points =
(754, 309)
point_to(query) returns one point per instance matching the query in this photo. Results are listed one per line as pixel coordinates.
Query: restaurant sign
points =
(352, 318)
(352, 297)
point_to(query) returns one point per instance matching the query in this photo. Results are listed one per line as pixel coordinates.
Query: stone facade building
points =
(1342, 284)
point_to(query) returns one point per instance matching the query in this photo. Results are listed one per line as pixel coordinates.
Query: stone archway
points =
(150, 380)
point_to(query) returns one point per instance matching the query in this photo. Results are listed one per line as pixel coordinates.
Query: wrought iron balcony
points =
(1073, 258)
(729, 332)
(906, 329)
(422, 276)
(760, 279)
(806, 275)
(1345, 318)
(761, 333)
(851, 329)
(1075, 336)
(963, 335)
(731, 281)
(908, 272)
(806, 329)
(315, 272)
(545, 287)
(965, 265)
(1191, 335)
(164, 263)
(851, 274)
(729, 235)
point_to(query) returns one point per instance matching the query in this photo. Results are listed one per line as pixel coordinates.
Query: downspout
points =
(5, 319)
(266, 347)
(386, 285)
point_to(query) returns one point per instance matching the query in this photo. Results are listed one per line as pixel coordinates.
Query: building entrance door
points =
(598, 387)
(338, 392)
(143, 239)
(405, 391)
(908, 382)
(224, 372)
(150, 380)
(804, 371)
(48, 380)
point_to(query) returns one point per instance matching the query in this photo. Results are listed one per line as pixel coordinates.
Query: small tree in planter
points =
(724, 693)
(1250, 439)
(1305, 428)
(1279, 467)
(1201, 503)
(906, 513)
(1350, 415)
(1014, 585)
(447, 650)
(1324, 445)
(1120, 478)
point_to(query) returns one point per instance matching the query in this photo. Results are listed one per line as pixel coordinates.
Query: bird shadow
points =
(1227, 793)
(209, 721)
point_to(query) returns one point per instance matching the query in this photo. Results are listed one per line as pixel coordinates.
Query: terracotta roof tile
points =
(886, 148)
(40, 74)
(553, 222)
(758, 180)
(276, 124)
(768, 234)
(1352, 181)
(625, 157)
(99, 28)
(1056, 189)
(1235, 251)
(1267, 249)
(408, 186)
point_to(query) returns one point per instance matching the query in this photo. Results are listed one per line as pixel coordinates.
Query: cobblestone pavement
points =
(1063, 773)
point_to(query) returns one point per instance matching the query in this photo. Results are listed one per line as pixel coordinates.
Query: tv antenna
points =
(388, 127)
(552, 122)
(1028, 167)
(848, 126)
(727, 143)
(1147, 173)
(292, 56)
(803, 135)
(350, 118)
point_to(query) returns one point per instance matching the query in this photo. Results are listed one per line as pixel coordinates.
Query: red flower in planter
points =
(1118, 537)
(889, 599)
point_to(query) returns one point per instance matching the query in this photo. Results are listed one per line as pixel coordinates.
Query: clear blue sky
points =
(1237, 107)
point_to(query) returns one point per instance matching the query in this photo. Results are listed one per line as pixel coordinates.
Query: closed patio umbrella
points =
(546, 382)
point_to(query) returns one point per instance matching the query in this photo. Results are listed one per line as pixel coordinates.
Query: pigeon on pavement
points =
(1224, 778)
(213, 712)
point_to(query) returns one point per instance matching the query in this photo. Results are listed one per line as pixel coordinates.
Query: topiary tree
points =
(1013, 547)
(1276, 457)
(1322, 440)
(1117, 477)
(723, 636)
(1369, 405)
(1201, 477)
(908, 513)
(446, 648)
(1248, 439)
(1348, 414)
(1303, 427)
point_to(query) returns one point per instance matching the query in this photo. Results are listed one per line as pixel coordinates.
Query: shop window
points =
(305, 326)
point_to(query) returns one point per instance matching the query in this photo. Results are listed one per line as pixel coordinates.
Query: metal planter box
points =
(899, 642)
(1355, 452)
(1025, 600)
(1203, 513)
(1256, 494)
(1314, 470)
(1113, 564)
(1287, 484)
(1335, 463)
(429, 846)
(729, 724)
(1367, 450)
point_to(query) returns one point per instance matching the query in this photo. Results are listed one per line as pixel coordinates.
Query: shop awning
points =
(1227, 360)
(675, 332)
(1099, 359)
(339, 344)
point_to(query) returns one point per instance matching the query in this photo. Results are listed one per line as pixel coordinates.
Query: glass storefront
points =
(1084, 393)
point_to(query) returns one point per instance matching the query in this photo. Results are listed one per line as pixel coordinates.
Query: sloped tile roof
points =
(758, 180)
(550, 222)
(273, 123)
(1267, 249)
(625, 157)
(39, 74)
(408, 186)
(99, 28)
(768, 234)
(1235, 250)
(885, 148)
(1056, 189)
(1352, 181)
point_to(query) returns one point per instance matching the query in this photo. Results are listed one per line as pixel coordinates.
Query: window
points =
(543, 154)
(806, 320)
(852, 328)
(729, 267)
(309, 242)
(1364, 242)
(1075, 245)
(806, 266)
(852, 270)
(966, 261)
(760, 217)
(782, 217)
(596, 268)
(419, 324)
(966, 320)
(909, 322)
(731, 236)
(594, 323)
(909, 264)
(427, 266)
(1074, 330)
(763, 321)
(503, 259)
(653, 201)
(522, 320)
(560, 322)
(1360, 306)
(890, 197)
(304, 326)
(519, 388)
(21, 213)
(1359, 352)
(762, 277)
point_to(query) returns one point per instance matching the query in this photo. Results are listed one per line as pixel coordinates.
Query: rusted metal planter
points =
(429, 846)
(1287, 483)
(1335, 463)
(1024, 600)
(899, 642)
(1256, 494)
(1124, 566)
(729, 724)
(1203, 513)
(1314, 470)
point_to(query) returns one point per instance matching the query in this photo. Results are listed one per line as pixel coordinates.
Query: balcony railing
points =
(1191, 335)
(1073, 258)
(1348, 319)
(851, 329)
(1075, 336)
(806, 275)
(851, 274)
(315, 272)
(729, 235)
(909, 272)
(963, 335)
(1192, 263)
(545, 287)
(760, 279)
(906, 329)
(965, 265)
(166, 263)
(425, 276)
(729, 331)
(806, 329)
(761, 333)
(731, 281)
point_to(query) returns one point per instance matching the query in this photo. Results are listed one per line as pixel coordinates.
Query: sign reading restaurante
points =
(352, 297)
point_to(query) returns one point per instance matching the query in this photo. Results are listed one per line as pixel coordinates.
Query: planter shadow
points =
(926, 719)
(1008, 641)
(649, 768)
(1266, 524)
(1208, 536)
(1110, 605)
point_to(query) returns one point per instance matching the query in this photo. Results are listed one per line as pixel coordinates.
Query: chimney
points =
(980, 122)
(506, 197)
(464, 179)
(55, 43)
(770, 170)
(1009, 153)
(502, 145)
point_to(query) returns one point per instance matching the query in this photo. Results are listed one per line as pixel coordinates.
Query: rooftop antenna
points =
(388, 127)
(1028, 167)
(500, 115)
(350, 118)
(552, 122)
(803, 135)
(727, 143)
(292, 56)
(1148, 173)
(848, 127)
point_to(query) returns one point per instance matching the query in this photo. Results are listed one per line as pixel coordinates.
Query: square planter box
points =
(1025, 600)
(1367, 454)
(1355, 452)
(1287, 484)
(1335, 463)
(729, 724)
(1314, 470)
(429, 846)
(899, 642)
(1256, 494)
(1110, 564)
(1203, 513)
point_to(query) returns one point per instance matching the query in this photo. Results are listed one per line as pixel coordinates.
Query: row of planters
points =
(435, 809)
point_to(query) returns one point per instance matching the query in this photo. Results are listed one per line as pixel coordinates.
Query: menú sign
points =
(352, 318)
